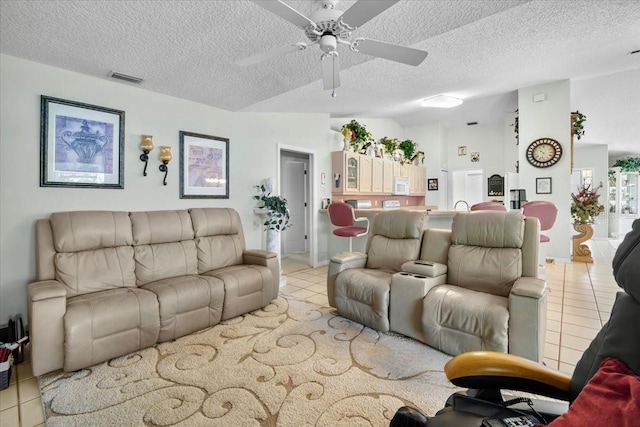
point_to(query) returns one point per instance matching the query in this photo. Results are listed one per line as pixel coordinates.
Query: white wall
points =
(487, 140)
(550, 119)
(595, 157)
(429, 139)
(252, 150)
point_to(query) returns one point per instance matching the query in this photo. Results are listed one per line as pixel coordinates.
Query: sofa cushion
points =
(491, 270)
(94, 334)
(456, 320)
(219, 238)
(490, 229)
(187, 304)
(363, 295)
(154, 227)
(245, 288)
(86, 230)
(395, 239)
(95, 270)
(162, 261)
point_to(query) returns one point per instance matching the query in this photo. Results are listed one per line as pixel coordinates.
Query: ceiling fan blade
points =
(330, 71)
(393, 52)
(365, 10)
(272, 53)
(285, 11)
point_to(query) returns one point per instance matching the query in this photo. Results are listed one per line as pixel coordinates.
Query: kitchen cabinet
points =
(622, 201)
(377, 175)
(359, 174)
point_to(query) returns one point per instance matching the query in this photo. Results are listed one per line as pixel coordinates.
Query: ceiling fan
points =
(328, 27)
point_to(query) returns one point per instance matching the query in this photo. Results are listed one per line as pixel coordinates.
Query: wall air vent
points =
(472, 123)
(126, 78)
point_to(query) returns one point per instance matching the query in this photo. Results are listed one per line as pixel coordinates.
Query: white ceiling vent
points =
(126, 78)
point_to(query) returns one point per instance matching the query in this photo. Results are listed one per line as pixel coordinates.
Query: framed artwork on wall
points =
(432, 184)
(204, 166)
(81, 145)
(543, 185)
(462, 150)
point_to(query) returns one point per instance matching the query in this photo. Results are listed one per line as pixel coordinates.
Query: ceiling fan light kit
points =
(441, 101)
(329, 27)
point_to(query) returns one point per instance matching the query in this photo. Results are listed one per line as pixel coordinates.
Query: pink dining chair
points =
(344, 218)
(488, 206)
(546, 212)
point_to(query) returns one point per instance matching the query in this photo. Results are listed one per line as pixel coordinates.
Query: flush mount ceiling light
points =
(441, 101)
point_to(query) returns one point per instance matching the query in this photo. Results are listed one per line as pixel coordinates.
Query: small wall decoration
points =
(475, 156)
(462, 150)
(204, 166)
(495, 185)
(81, 145)
(432, 184)
(543, 185)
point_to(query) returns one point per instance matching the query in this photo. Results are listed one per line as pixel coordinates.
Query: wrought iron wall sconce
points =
(146, 146)
(165, 158)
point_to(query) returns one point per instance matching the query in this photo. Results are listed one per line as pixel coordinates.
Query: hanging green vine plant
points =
(629, 164)
(577, 124)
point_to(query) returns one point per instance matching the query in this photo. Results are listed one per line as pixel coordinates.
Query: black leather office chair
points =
(486, 374)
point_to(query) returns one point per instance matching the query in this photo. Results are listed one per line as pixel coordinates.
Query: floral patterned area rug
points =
(290, 364)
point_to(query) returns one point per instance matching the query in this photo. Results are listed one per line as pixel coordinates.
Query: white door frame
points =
(313, 212)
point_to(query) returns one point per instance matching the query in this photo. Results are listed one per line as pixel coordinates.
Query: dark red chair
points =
(344, 218)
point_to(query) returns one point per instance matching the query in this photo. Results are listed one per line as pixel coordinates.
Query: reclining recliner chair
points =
(601, 394)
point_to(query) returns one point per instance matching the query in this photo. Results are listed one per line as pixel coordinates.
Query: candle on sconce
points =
(165, 158)
(146, 146)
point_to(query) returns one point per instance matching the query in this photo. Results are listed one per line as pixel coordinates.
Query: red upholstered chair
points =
(488, 206)
(344, 218)
(546, 212)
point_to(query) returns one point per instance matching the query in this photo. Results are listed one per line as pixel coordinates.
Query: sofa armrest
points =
(528, 318)
(269, 260)
(529, 287)
(407, 292)
(495, 370)
(47, 302)
(339, 263)
(425, 268)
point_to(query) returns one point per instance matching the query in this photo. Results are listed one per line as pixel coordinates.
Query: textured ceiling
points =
(479, 50)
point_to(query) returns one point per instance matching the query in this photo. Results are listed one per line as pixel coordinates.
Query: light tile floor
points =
(580, 300)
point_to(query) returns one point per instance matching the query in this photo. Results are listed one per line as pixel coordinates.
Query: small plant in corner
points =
(276, 206)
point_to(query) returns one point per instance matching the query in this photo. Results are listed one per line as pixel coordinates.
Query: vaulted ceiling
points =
(479, 50)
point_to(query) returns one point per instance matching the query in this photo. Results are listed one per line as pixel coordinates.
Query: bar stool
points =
(344, 218)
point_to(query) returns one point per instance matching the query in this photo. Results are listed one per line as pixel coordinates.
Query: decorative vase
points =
(581, 252)
(347, 144)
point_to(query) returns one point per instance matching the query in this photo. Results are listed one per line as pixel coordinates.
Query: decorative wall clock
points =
(544, 152)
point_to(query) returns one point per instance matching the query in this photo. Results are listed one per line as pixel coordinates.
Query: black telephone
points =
(519, 421)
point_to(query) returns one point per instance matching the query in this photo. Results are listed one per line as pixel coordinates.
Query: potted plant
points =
(389, 144)
(277, 218)
(629, 164)
(585, 206)
(408, 148)
(577, 123)
(358, 135)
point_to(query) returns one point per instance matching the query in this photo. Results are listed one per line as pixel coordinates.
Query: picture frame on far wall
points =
(204, 166)
(81, 145)
(543, 185)
(432, 184)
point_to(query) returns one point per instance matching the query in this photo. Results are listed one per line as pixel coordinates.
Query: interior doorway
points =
(296, 186)
(468, 186)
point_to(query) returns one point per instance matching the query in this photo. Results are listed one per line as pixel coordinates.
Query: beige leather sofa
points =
(474, 287)
(109, 283)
